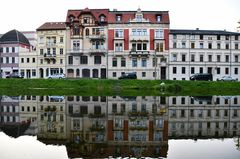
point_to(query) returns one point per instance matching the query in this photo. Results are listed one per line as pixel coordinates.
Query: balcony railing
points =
(97, 37)
(135, 52)
(76, 52)
(49, 56)
(51, 44)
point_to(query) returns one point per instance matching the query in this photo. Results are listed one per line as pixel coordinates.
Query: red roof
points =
(52, 26)
(126, 15)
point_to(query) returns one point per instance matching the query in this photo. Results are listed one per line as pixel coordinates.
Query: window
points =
(192, 70)
(200, 70)
(33, 60)
(236, 37)
(85, 20)
(174, 45)
(87, 32)
(174, 57)
(70, 60)
(76, 45)
(218, 58)
(33, 72)
(183, 57)
(159, 18)
(182, 100)
(227, 46)
(183, 70)
(218, 46)
(13, 59)
(114, 62)
(227, 37)
(83, 60)
(144, 62)
(13, 49)
(143, 74)
(134, 62)
(218, 70)
(159, 33)
(54, 51)
(174, 36)
(236, 46)
(97, 59)
(102, 18)
(61, 61)
(209, 45)
(41, 51)
(61, 51)
(201, 37)
(154, 62)
(7, 59)
(226, 70)
(227, 58)
(174, 70)
(192, 45)
(201, 58)
(119, 47)
(22, 60)
(48, 51)
(1, 50)
(123, 62)
(41, 61)
(209, 58)
(61, 39)
(183, 45)
(76, 30)
(201, 45)
(236, 71)
(118, 18)
(7, 49)
(119, 33)
(114, 74)
(159, 47)
(218, 37)
(236, 58)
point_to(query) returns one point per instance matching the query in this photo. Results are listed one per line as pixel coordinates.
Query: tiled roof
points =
(13, 37)
(202, 32)
(126, 15)
(52, 26)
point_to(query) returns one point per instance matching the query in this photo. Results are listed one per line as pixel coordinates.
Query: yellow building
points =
(51, 49)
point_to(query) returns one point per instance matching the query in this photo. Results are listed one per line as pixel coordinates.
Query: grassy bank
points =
(115, 87)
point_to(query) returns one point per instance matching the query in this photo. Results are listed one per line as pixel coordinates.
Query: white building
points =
(203, 51)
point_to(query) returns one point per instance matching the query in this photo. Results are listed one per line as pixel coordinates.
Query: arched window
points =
(102, 18)
(87, 32)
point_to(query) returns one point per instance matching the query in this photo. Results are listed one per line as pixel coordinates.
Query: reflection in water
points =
(98, 127)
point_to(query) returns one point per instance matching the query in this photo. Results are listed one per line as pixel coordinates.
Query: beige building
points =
(51, 47)
(28, 64)
(87, 43)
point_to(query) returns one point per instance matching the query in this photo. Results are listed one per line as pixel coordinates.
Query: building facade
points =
(51, 49)
(11, 44)
(138, 42)
(87, 43)
(203, 51)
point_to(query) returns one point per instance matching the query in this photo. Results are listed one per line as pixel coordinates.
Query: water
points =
(64, 127)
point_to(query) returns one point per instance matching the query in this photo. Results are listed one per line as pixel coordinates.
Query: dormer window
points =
(85, 20)
(71, 18)
(159, 18)
(118, 18)
(102, 18)
(139, 18)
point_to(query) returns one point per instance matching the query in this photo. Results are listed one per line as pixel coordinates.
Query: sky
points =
(28, 15)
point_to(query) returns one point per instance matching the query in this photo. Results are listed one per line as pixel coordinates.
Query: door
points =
(103, 73)
(163, 73)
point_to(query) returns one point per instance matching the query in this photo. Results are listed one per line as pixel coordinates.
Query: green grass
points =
(115, 87)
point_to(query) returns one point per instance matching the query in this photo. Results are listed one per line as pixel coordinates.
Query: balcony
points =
(51, 44)
(137, 38)
(49, 56)
(76, 52)
(97, 51)
(139, 53)
(97, 37)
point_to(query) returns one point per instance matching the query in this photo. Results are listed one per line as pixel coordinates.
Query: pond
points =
(182, 127)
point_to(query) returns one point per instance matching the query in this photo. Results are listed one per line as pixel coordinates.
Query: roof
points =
(111, 15)
(202, 32)
(52, 26)
(13, 37)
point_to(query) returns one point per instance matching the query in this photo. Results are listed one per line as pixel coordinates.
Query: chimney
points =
(197, 28)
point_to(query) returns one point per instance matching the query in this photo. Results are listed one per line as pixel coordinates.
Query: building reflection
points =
(98, 127)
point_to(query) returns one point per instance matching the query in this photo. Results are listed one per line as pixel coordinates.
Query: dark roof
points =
(13, 37)
(202, 32)
(52, 26)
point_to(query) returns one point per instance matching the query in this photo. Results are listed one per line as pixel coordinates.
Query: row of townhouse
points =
(99, 43)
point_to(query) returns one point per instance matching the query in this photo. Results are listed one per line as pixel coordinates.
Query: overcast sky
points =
(27, 15)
